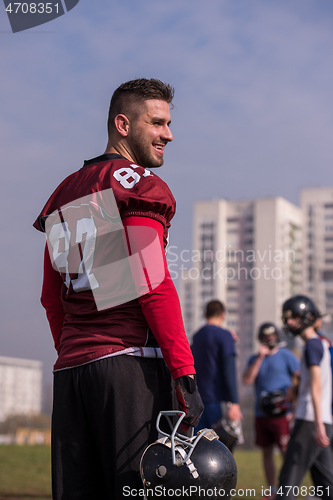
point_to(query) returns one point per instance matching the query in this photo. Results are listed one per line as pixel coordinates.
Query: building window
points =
(327, 276)
(310, 273)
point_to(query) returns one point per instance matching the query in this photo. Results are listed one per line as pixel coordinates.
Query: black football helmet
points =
(299, 306)
(268, 329)
(228, 431)
(182, 466)
(273, 404)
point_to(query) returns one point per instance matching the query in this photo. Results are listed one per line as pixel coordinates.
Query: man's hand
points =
(320, 435)
(291, 393)
(234, 335)
(234, 412)
(264, 350)
(189, 400)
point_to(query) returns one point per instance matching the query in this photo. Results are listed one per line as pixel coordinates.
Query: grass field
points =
(25, 473)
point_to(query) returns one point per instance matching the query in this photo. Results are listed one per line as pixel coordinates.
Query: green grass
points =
(251, 474)
(25, 473)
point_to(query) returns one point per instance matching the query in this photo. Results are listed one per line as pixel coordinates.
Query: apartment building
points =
(317, 206)
(248, 254)
(20, 387)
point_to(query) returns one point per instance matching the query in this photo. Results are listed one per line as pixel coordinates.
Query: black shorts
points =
(104, 417)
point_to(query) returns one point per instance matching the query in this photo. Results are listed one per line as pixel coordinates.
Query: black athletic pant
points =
(104, 417)
(302, 455)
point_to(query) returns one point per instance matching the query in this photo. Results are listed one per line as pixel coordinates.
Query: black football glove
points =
(189, 400)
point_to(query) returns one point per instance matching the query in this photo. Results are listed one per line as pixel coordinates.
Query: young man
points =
(308, 447)
(214, 355)
(111, 304)
(270, 370)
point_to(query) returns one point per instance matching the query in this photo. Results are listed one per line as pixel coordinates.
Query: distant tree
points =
(40, 421)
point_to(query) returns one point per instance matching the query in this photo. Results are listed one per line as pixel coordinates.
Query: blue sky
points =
(253, 115)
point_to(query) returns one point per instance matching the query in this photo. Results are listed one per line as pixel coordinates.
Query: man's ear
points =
(122, 124)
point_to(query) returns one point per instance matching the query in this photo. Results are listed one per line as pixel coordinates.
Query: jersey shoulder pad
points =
(140, 192)
(137, 190)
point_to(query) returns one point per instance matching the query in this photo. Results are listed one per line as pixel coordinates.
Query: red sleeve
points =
(51, 298)
(161, 306)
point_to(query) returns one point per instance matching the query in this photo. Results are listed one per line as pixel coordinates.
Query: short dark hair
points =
(214, 308)
(140, 89)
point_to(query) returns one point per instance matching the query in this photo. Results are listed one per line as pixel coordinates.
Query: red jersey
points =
(96, 300)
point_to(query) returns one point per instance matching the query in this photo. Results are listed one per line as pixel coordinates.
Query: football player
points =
(214, 355)
(308, 448)
(113, 310)
(271, 370)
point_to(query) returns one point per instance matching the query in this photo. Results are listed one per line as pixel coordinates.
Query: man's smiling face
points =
(149, 133)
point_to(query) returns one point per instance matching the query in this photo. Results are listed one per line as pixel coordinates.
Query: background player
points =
(110, 378)
(214, 355)
(271, 369)
(308, 447)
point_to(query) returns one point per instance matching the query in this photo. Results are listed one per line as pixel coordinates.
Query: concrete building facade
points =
(317, 206)
(248, 255)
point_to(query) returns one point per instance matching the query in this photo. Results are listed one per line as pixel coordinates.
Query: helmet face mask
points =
(269, 335)
(303, 312)
(187, 464)
(228, 431)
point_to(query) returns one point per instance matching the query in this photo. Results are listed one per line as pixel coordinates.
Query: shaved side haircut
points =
(137, 91)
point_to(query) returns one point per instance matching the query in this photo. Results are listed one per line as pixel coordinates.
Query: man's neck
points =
(273, 351)
(309, 333)
(215, 320)
(121, 149)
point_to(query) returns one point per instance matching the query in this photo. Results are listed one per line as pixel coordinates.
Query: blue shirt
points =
(275, 373)
(214, 355)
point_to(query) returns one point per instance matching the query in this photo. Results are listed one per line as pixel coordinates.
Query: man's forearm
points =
(252, 371)
(315, 384)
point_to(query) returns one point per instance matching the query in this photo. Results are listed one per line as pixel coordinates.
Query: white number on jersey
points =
(124, 174)
(128, 177)
(60, 235)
